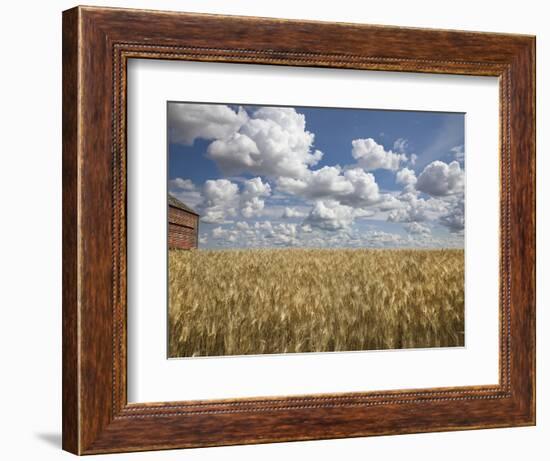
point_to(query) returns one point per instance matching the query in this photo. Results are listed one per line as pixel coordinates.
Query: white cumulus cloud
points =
(185, 191)
(441, 179)
(350, 187)
(415, 209)
(407, 178)
(413, 212)
(235, 154)
(290, 213)
(251, 202)
(372, 156)
(400, 145)
(417, 228)
(188, 122)
(273, 142)
(180, 183)
(220, 200)
(454, 218)
(284, 234)
(330, 215)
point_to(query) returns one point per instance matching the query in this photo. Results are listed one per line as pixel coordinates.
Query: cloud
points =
(325, 182)
(454, 218)
(381, 239)
(290, 213)
(407, 178)
(263, 225)
(273, 142)
(330, 215)
(445, 183)
(191, 198)
(458, 152)
(235, 154)
(350, 187)
(180, 183)
(252, 207)
(440, 179)
(218, 232)
(220, 200)
(365, 189)
(389, 202)
(255, 187)
(219, 191)
(242, 225)
(265, 234)
(400, 145)
(417, 228)
(414, 212)
(185, 191)
(284, 234)
(372, 156)
(227, 236)
(251, 203)
(187, 122)
(261, 234)
(415, 209)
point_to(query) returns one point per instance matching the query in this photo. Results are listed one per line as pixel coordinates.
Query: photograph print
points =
(313, 229)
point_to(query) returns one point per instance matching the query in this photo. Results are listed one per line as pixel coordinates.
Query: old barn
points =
(183, 225)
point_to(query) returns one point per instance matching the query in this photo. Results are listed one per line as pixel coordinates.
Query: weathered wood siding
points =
(183, 228)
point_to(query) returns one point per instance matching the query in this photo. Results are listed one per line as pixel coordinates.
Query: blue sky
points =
(266, 176)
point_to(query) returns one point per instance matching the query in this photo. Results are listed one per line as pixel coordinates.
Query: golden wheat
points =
(236, 302)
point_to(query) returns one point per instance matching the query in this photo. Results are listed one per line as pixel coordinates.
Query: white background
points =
(30, 254)
(153, 378)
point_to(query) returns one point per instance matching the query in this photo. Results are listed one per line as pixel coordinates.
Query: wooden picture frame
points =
(97, 43)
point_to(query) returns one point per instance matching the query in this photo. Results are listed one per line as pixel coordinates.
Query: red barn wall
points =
(183, 229)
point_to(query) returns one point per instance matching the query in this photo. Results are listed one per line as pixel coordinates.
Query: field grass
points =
(236, 302)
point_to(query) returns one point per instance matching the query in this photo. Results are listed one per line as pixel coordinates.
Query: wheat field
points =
(236, 302)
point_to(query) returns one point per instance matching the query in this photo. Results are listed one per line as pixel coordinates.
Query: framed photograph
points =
(282, 230)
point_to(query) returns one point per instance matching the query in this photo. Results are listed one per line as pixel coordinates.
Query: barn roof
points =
(173, 201)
